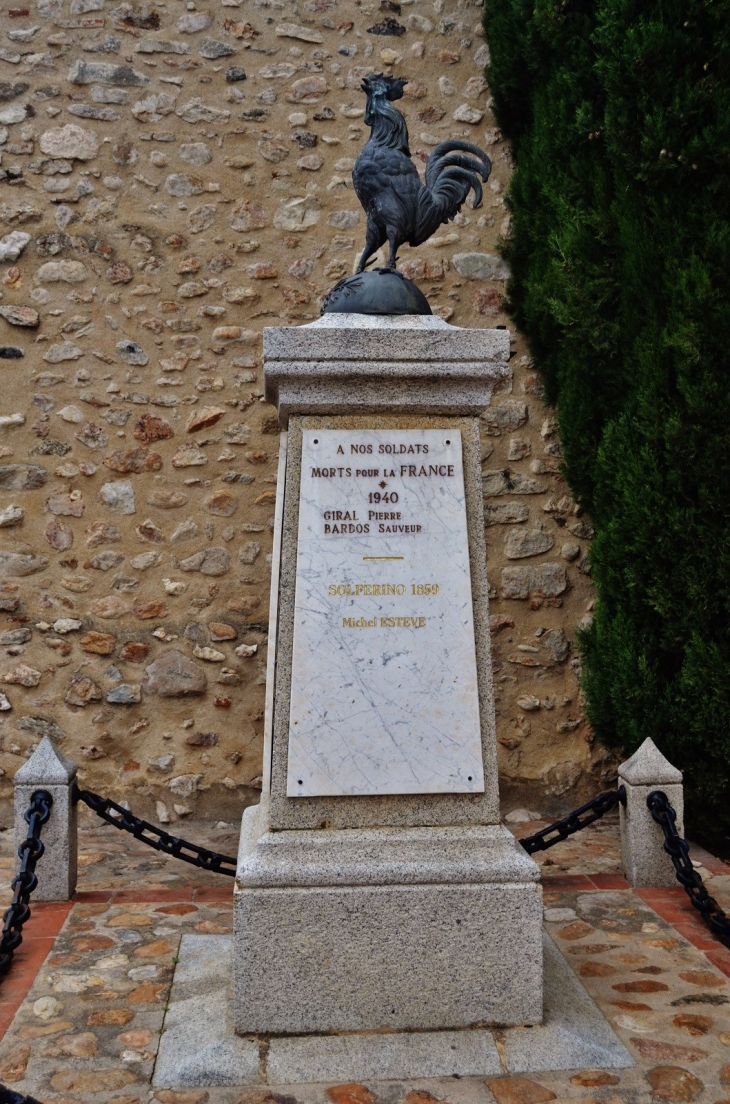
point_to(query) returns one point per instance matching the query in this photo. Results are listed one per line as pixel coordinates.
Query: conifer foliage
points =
(619, 116)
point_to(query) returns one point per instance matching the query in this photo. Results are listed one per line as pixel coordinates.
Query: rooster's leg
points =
(390, 267)
(374, 238)
(366, 254)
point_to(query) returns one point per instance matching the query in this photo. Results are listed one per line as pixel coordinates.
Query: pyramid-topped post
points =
(48, 769)
(645, 862)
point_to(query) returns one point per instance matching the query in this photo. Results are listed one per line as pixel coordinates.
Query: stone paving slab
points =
(201, 996)
(375, 1058)
(575, 1032)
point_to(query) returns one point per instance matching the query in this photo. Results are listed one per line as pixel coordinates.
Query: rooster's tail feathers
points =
(451, 153)
(469, 180)
(444, 200)
(466, 165)
(452, 188)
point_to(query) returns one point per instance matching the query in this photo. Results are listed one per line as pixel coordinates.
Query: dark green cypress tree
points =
(619, 112)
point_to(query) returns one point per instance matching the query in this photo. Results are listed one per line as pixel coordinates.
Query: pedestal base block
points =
(574, 1035)
(385, 929)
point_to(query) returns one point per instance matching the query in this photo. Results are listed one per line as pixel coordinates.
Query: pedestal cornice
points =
(367, 364)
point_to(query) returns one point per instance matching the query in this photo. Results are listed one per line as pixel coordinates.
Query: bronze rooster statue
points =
(398, 206)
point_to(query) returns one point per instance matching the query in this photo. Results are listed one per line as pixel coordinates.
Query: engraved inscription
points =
(384, 682)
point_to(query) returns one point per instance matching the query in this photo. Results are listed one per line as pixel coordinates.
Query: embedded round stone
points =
(132, 353)
(212, 561)
(70, 141)
(97, 643)
(480, 266)
(20, 316)
(124, 694)
(118, 496)
(82, 691)
(150, 428)
(213, 48)
(173, 675)
(195, 153)
(19, 564)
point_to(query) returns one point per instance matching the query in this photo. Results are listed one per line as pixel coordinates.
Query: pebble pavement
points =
(84, 1004)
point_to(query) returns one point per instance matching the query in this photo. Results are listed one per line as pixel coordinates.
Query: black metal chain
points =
(8, 1096)
(678, 851)
(573, 822)
(121, 818)
(25, 880)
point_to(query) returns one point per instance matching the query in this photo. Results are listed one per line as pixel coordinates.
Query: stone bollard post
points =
(48, 770)
(645, 862)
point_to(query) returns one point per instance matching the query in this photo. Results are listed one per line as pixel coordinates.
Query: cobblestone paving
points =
(84, 1004)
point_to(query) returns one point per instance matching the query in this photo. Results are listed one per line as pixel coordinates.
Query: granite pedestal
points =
(385, 928)
(376, 889)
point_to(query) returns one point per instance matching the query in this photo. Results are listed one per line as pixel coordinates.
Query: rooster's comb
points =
(392, 87)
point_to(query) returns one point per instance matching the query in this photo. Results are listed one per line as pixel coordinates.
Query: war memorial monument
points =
(377, 889)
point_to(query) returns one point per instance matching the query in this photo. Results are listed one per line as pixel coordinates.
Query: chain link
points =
(25, 880)
(678, 851)
(156, 837)
(573, 822)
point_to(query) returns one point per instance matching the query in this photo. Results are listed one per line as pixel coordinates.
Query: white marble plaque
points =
(384, 683)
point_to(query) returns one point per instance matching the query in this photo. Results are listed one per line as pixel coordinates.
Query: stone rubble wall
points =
(175, 177)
